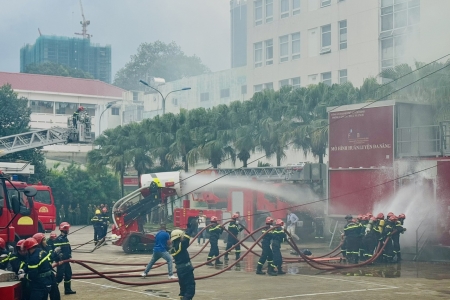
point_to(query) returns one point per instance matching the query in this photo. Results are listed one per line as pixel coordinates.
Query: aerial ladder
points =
(78, 131)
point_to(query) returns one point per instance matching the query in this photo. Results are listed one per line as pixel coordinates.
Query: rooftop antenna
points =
(84, 25)
(40, 34)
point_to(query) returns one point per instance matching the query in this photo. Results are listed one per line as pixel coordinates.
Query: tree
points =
(14, 119)
(158, 60)
(55, 69)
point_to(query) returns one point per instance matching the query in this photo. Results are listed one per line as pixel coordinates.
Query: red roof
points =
(58, 84)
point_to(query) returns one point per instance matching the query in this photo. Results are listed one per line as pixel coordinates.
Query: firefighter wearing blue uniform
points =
(344, 242)
(370, 239)
(105, 222)
(396, 236)
(388, 252)
(18, 263)
(278, 238)
(64, 270)
(234, 228)
(185, 270)
(39, 270)
(267, 253)
(4, 255)
(352, 232)
(215, 230)
(97, 223)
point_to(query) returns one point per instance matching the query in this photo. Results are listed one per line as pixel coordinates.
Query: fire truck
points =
(44, 204)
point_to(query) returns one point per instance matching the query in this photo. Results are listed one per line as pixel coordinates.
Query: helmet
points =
(64, 226)
(52, 236)
(104, 209)
(269, 220)
(373, 218)
(380, 216)
(39, 237)
(360, 217)
(2, 244)
(354, 220)
(401, 216)
(393, 218)
(28, 244)
(214, 219)
(369, 214)
(20, 243)
(348, 217)
(279, 222)
(175, 234)
(80, 108)
(365, 218)
(390, 214)
(97, 211)
(235, 216)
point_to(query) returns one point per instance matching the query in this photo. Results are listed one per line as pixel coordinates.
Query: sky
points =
(200, 27)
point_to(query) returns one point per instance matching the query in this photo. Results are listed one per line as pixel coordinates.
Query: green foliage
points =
(55, 69)
(158, 59)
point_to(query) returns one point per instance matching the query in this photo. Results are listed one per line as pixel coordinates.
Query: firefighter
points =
(318, 226)
(215, 230)
(51, 240)
(98, 226)
(363, 220)
(185, 270)
(105, 222)
(388, 252)
(267, 253)
(396, 236)
(64, 270)
(234, 228)
(53, 256)
(4, 255)
(39, 270)
(370, 239)
(278, 238)
(352, 232)
(17, 260)
(344, 242)
(76, 116)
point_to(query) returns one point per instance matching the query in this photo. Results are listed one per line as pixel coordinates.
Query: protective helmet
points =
(104, 209)
(235, 216)
(380, 216)
(401, 216)
(359, 217)
(28, 244)
(393, 218)
(52, 236)
(369, 214)
(354, 220)
(2, 244)
(97, 211)
(269, 220)
(80, 108)
(214, 219)
(39, 237)
(390, 214)
(20, 243)
(365, 218)
(348, 217)
(279, 222)
(64, 226)
(175, 234)
(373, 218)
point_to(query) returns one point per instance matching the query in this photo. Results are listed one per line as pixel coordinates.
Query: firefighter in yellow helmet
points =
(98, 228)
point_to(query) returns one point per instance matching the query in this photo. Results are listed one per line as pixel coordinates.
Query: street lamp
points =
(100, 119)
(164, 98)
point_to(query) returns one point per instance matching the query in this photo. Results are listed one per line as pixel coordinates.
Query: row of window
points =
(263, 11)
(289, 45)
(399, 14)
(63, 108)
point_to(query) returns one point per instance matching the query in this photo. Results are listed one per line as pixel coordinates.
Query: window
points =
(269, 52)
(284, 48)
(258, 88)
(343, 35)
(243, 89)
(65, 108)
(295, 7)
(42, 107)
(342, 76)
(392, 51)
(326, 38)
(225, 93)
(204, 97)
(325, 3)
(258, 12)
(295, 82)
(399, 14)
(89, 108)
(284, 82)
(258, 54)
(326, 78)
(268, 86)
(284, 8)
(135, 96)
(43, 197)
(174, 101)
(295, 37)
(115, 111)
(269, 11)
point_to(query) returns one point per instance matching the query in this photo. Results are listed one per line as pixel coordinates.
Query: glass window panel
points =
(326, 36)
(385, 3)
(258, 88)
(387, 22)
(284, 48)
(387, 49)
(325, 3)
(326, 78)
(258, 12)
(65, 108)
(295, 45)
(258, 54)
(41, 107)
(414, 16)
(295, 7)
(90, 108)
(400, 19)
(284, 8)
(269, 52)
(284, 82)
(269, 11)
(296, 82)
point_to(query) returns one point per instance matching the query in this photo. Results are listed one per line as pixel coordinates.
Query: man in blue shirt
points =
(162, 241)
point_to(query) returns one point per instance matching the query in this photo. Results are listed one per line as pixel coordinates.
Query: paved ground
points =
(405, 281)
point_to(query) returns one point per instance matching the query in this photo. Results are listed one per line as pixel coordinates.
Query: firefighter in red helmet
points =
(389, 226)
(4, 255)
(267, 253)
(352, 232)
(64, 270)
(215, 230)
(105, 224)
(279, 236)
(344, 241)
(399, 229)
(234, 228)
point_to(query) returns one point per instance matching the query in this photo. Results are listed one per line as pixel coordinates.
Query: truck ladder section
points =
(34, 139)
(266, 173)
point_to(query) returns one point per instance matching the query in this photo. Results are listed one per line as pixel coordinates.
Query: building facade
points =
(75, 53)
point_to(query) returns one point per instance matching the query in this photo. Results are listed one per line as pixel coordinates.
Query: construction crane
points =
(84, 25)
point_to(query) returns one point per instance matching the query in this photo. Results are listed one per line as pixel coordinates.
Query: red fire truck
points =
(44, 204)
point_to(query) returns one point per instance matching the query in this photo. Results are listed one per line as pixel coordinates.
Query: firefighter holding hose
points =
(267, 253)
(279, 236)
(64, 270)
(98, 228)
(215, 230)
(185, 270)
(396, 236)
(352, 232)
(234, 228)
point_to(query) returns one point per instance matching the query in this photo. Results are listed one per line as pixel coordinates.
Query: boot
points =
(280, 270)
(238, 255)
(226, 258)
(259, 270)
(218, 262)
(67, 289)
(399, 256)
(271, 271)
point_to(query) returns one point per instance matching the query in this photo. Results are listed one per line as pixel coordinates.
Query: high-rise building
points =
(75, 53)
(238, 14)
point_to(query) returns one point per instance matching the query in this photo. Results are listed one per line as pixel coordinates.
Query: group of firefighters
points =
(362, 235)
(32, 261)
(100, 222)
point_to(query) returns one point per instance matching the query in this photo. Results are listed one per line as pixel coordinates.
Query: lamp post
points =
(164, 98)
(100, 119)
